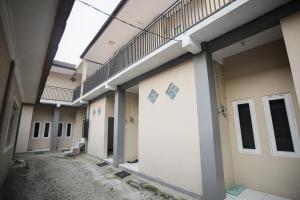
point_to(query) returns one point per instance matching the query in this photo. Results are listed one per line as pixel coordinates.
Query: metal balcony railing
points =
(57, 94)
(76, 92)
(177, 19)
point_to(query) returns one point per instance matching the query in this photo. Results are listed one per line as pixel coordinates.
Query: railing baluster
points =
(153, 37)
(188, 14)
(159, 32)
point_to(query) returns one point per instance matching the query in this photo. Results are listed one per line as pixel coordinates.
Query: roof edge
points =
(64, 65)
(104, 26)
(62, 14)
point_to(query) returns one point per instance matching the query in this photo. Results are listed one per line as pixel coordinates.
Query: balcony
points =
(57, 94)
(177, 19)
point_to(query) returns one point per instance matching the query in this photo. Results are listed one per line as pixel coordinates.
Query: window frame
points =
(292, 123)
(15, 103)
(66, 132)
(33, 127)
(50, 129)
(237, 126)
(62, 130)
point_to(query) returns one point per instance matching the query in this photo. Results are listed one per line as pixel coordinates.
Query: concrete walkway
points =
(50, 176)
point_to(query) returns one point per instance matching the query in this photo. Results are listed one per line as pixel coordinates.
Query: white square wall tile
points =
(230, 197)
(251, 195)
(248, 194)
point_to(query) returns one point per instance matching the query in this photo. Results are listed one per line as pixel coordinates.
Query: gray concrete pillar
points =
(118, 154)
(209, 133)
(54, 129)
(291, 31)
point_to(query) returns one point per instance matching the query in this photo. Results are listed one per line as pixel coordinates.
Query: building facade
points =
(38, 121)
(204, 98)
(29, 35)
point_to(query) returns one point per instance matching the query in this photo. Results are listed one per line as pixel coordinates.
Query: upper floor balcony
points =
(61, 84)
(178, 18)
(198, 20)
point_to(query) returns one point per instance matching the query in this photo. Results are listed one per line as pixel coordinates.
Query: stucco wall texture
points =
(254, 74)
(168, 129)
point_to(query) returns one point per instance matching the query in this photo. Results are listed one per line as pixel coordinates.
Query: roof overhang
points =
(114, 34)
(62, 70)
(259, 39)
(63, 65)
(235, 15)
(33, 30)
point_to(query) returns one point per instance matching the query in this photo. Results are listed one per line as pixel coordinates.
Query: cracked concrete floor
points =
(50, 176)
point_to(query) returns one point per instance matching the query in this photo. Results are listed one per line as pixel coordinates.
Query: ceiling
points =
(139, 13)
(28, 26)
(133, 89)
(264, 37)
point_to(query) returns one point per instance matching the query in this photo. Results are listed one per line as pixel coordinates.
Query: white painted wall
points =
(44, 113)
(41, 113)
(24, 130)
(66, 115)
(131, 127)
(78, 126)
(63, 80)
(168, 130)
(97, 145)
(98, 131)
(223, 124)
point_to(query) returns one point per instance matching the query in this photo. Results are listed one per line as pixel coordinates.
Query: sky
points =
(83, 24)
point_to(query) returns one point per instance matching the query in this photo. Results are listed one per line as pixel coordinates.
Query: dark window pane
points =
(246, 126)
(69, 130)
(60, 127)
(281, 126)
(36, 130)
(46, 131)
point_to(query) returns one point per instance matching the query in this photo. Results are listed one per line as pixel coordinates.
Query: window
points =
(246, 127)
(152, 96)
(281, 124)
(172, 91)
(60, 129)
(69, 129)
(36, 130)
(46, 129)
(12, 126)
